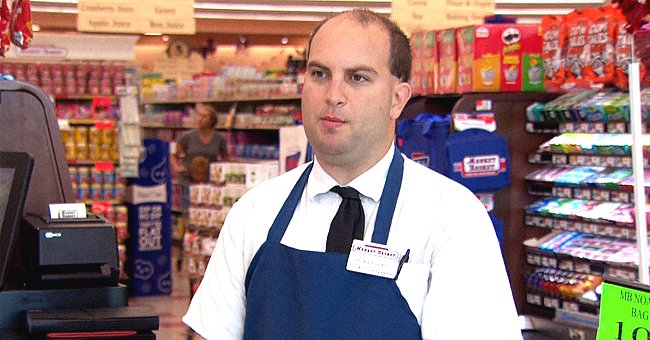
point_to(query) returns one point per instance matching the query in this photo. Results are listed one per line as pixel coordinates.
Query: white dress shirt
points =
(454, 282)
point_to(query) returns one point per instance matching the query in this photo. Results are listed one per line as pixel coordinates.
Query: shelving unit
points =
(94, 174)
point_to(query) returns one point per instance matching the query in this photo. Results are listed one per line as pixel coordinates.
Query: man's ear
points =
(401, 95)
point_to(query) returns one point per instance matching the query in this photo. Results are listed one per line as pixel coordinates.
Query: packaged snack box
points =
(500, 58)
(430, 63)
(417, 67)
(447, 61)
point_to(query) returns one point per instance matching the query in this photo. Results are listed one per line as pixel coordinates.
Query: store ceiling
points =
(267, 21)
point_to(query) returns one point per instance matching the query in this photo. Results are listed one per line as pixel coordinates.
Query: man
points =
(438, 271)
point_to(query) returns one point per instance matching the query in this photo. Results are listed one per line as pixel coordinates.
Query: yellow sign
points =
(143, 16)
(420, 15)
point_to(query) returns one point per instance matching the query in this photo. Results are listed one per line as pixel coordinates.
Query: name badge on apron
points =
(374, 259)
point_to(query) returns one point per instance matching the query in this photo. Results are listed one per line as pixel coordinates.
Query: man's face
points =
(347, 101)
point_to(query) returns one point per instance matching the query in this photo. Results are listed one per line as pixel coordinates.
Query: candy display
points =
(561, 284)
(584, 210)
(593, 144)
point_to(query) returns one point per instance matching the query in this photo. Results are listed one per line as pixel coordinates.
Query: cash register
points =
(58, 269)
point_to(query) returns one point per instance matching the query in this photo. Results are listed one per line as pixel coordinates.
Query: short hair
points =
(214, 115)
(400, 58)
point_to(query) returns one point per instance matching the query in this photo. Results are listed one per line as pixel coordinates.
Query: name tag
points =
(373, 259)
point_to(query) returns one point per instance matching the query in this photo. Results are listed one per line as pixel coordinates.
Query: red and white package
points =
(577, 55)
(553, 52)
(5, 18)
(21, 24)
(601, 39)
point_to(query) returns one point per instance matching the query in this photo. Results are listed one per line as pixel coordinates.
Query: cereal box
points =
(500, 57)
(447, 61)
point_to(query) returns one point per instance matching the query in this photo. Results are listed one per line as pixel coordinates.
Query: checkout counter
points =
(61, 275)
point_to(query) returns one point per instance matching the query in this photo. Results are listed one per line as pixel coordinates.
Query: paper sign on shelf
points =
(624, 311)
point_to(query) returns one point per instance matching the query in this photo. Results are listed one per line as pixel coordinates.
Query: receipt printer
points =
(68, 253)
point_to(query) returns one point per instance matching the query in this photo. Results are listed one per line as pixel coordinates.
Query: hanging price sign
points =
(624, 311)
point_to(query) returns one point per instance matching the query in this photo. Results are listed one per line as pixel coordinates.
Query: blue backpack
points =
(423, 139)
(479, 160)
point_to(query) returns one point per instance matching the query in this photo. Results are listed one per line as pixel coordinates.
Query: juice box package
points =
(430, 63)
(500, 58)
(447, 61)
(417, 66)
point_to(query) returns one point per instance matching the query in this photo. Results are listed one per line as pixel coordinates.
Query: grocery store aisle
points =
(170, 309)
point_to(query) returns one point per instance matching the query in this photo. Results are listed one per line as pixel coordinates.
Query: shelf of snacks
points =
(559, 289)
(234, 83)
(586, 185)
(596, 183)
(584, 253)
(209, 204)
(70, 79)
(599, 225)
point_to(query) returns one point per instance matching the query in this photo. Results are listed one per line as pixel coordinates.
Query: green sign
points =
(624, 313)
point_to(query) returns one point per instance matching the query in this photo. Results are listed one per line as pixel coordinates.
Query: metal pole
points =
(637, 162)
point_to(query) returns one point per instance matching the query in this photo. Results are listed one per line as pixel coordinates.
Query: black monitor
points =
(15, 173)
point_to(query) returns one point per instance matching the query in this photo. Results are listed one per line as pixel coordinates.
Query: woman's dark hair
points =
(400, 48)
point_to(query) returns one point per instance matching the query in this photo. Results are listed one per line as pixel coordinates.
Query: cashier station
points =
(58, 276)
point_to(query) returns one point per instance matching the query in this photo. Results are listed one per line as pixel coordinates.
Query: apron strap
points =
(285, 215)
(388, 200)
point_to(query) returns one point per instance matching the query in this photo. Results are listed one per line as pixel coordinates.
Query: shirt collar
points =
(320, 182)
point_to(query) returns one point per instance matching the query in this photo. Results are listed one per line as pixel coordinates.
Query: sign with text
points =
(144, 16)
(419, 15)
(624, 311)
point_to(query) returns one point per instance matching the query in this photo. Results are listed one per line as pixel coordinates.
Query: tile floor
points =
(170, 308)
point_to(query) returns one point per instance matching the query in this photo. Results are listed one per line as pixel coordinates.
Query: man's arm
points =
(469, 294)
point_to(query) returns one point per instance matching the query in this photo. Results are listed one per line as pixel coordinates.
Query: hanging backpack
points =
(479, 160)
(423, 139)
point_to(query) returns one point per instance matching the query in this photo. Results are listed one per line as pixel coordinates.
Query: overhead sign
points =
(143, 16)
(419, 15)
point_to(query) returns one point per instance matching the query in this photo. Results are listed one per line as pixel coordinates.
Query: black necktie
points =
(348, 223)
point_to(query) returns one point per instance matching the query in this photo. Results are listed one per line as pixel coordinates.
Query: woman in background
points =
(198, 145)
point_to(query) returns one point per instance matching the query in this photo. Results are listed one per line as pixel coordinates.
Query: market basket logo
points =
(420, 158)
(481, 166)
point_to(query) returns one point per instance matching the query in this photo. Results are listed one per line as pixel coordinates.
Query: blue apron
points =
(298, 294)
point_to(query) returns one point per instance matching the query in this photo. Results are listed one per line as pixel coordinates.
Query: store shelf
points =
(549, 189)
(84, 97)
(608, 229)
(547, 157)
(219, 100)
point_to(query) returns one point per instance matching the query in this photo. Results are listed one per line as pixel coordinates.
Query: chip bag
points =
(577, 55)
(553, 52)
(21, 23)
(623, 47)
(5, 18)
(600, 39)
